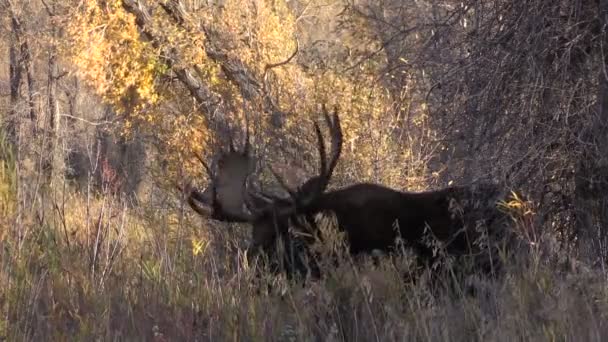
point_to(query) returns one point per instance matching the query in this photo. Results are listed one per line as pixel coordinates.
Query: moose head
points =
(232, 196)
(373, 217)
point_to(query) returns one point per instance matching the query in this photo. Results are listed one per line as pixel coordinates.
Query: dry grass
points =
(77, 266)
(92, 269)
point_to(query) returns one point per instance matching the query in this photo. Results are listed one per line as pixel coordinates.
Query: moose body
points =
(372, 216)
(383, 210)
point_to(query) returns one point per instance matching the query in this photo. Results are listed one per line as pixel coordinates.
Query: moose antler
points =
(224, 198)
(315, 186)
(230, 196)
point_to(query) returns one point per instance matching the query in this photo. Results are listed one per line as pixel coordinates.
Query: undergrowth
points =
(83, 267)
(99, 270)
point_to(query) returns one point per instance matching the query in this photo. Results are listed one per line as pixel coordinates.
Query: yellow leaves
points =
(521, 212)
(368, 126)
(124, 68)
(277, 29)
(8, 181)
(199, 246)
(151, 269)
(258, 33)
(186, 41)
(106, 48)
(515, 204)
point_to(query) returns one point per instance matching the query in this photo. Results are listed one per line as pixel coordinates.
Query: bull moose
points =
(372, 216)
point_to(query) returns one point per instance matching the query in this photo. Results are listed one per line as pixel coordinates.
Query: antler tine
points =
(247, 143)
(231, 144)
(193, 196)
(248, 199)
(205, 212)
(336, 139)
(322, 153)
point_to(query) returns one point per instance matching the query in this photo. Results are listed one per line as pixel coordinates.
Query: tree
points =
(508, 90)
(173, 69)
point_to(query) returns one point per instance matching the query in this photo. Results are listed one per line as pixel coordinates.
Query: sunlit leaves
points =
(8, 180)
(136, 74)
(199, 246)
(106, 48)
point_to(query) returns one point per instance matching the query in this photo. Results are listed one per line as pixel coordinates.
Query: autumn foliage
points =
(106, 104)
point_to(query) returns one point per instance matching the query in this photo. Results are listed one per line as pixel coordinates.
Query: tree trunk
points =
(25, 61)
(601, 126)
(15, 84)
(53, 134)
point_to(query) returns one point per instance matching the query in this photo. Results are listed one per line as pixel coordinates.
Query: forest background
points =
(103, 105)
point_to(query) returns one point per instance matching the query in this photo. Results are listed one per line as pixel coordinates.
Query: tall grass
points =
(92, 268)
(98, 270)
(8, 180)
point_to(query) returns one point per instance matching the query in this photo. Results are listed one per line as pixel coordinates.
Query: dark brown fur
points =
(374, 217)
